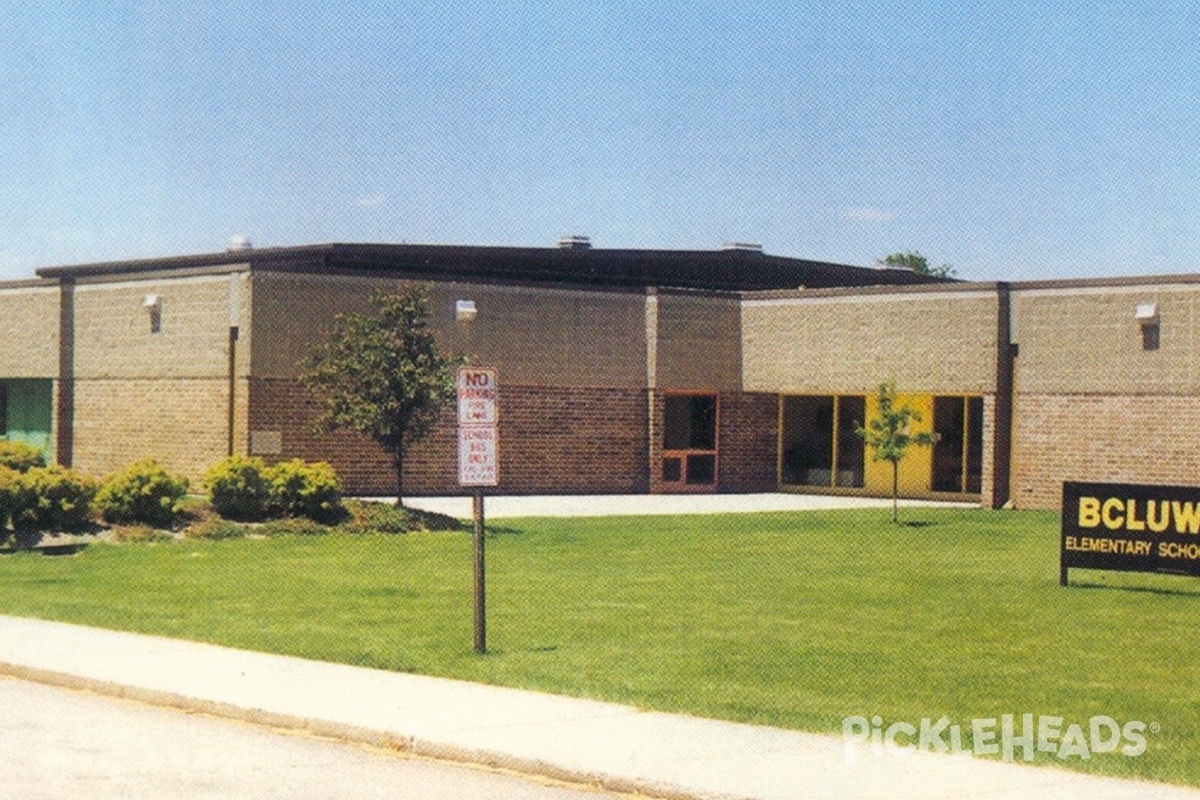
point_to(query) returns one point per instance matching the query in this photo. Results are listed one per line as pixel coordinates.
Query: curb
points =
(355, 734)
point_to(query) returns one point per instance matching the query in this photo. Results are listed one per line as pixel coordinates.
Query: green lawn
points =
(795, 619)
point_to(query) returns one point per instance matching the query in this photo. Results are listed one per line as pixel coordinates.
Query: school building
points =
(622, 371)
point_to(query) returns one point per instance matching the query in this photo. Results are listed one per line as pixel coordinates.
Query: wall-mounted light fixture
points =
(465, 310)
(153, 305)
(1147, 313)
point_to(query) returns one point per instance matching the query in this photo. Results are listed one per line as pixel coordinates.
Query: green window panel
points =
(28, 411)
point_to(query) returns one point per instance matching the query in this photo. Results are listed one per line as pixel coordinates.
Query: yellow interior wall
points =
(916, 468)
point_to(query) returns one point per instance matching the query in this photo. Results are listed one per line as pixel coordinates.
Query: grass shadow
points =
(1160, 590)
(432, 521)
(496, 530)
(26, 538)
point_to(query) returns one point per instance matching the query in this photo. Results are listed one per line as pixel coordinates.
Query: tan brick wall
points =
(1117, 438)
(165, 395)
(930, 343)
(987, 480)
(113, 338)
(698, 342)
(552, 440)
(534, 336)
(1092, 404)
(29, 332)
(1087, 340)
(179, 421)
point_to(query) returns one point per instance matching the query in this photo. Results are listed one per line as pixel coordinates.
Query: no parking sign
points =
(478, 440)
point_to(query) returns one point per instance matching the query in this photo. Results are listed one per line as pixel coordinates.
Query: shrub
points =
(127, 534)
(145, 492)
(300, 489)
(237, 488)
(215, 529)
(53, 498)
(369, 517)
(20, 456)
(10, 493)
(193, 508)
(291, 526)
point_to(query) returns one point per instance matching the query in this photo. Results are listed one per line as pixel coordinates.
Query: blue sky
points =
(1011, 140)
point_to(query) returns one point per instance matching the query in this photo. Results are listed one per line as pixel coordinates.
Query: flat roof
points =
(726, 269)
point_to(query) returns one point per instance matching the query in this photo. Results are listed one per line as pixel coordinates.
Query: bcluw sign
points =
(1130, 527)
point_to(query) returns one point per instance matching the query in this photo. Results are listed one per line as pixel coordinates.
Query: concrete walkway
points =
(611, 745)
(640, 504)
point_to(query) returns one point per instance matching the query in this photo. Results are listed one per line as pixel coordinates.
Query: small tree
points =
(380, 373)
(888, 436)
(917, 263)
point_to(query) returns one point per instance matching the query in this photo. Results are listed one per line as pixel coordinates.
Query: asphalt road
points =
(57, 744)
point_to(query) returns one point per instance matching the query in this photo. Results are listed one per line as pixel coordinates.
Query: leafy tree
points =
(380, 373)
(888, 436)
(917, 263)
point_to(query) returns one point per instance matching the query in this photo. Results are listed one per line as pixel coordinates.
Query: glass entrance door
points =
(689, 445)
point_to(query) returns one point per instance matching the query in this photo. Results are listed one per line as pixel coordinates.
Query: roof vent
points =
(575, 243)
(742, 247)
(238, 243)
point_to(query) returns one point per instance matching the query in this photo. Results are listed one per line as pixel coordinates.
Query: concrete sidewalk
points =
(615, 505)
(614, 746)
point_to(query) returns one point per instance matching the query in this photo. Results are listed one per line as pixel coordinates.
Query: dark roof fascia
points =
(720, 270)
(711, 270)
(159, 274)
(630, 268)
(956, 287)
(30, 283)
(441, 277)
(684, 291)
(1103, 283)
(232, 261)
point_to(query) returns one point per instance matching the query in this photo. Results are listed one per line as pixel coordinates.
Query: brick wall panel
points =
(1106, 438)
(552, 440)
(181, 422)
(541, 336)
(928, 342)
(29, 332)
(749, 442)
(113, 336)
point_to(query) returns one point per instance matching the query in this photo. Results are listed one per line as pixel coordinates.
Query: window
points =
(807, 441)
(820, 446)
(26, 411)
(958, 447)
(689, 444)
(851, 413)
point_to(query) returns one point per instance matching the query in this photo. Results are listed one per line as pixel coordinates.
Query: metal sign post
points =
(480, 581)
(478, 466)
